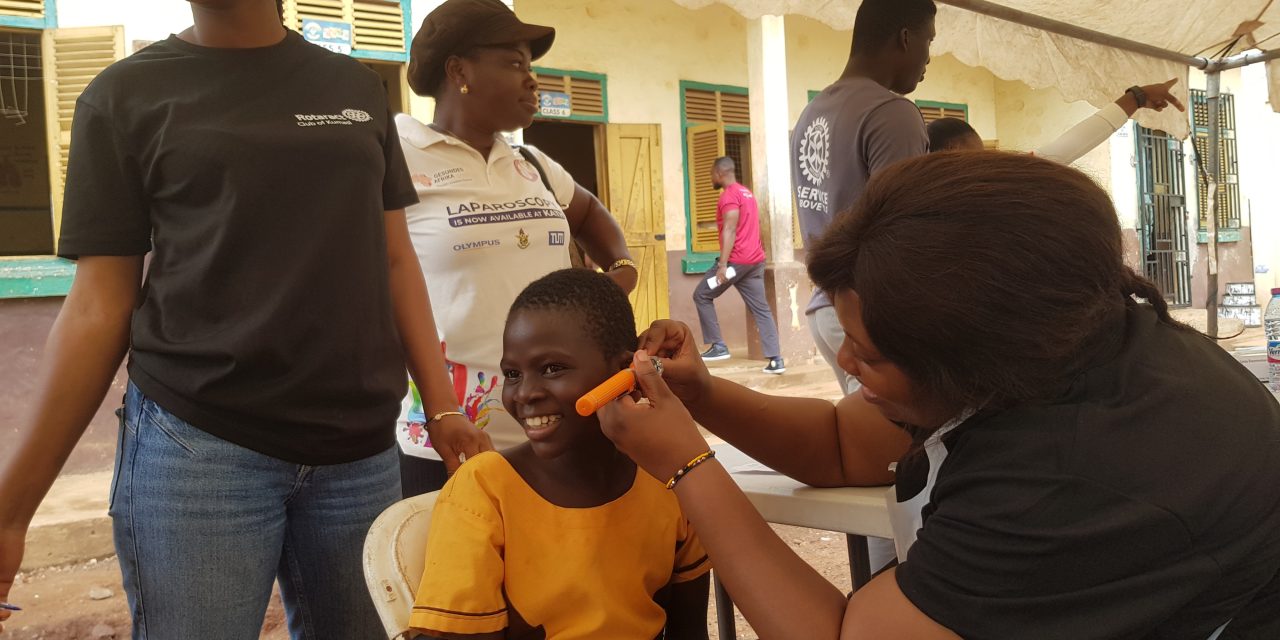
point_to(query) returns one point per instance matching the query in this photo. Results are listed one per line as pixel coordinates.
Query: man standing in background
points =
(741, 264)
(856, 127)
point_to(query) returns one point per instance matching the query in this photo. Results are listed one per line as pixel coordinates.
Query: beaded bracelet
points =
(684, 471)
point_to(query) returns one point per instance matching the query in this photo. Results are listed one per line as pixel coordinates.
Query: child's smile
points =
(547, 364)
(539, 427)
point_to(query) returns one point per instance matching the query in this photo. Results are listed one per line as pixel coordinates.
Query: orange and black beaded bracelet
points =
(684, 471)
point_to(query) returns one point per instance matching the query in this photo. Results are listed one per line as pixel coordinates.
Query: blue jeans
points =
(203, 527)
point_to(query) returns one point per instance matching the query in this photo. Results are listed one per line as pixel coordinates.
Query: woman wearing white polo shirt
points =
(487, 224)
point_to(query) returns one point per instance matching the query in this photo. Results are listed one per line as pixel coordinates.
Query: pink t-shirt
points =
(746, 246)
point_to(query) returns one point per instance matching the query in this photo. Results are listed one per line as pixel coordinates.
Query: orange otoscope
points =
(618, 384)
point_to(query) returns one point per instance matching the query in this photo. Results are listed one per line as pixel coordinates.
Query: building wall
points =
(646, 47)
(1030, 118)
(1259, 158)
(25, 325)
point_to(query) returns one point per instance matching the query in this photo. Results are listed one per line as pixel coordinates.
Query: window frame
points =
(693, 261)
(603, 79)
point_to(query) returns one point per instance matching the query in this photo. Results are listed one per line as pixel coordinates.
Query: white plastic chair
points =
(394, 555)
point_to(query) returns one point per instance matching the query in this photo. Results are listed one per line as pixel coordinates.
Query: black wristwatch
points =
(1139, 95)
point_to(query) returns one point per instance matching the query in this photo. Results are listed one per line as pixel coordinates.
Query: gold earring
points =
(465, 90)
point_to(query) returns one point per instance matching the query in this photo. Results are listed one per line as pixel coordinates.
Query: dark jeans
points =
(748, 279)
(420, 475)
(204, 527)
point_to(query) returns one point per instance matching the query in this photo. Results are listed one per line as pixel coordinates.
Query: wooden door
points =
(634, 187)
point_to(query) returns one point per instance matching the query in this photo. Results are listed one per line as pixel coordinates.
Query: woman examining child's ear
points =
(1090, 467)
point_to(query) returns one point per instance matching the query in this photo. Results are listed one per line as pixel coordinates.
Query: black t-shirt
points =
(1145, 504)
(257, 179)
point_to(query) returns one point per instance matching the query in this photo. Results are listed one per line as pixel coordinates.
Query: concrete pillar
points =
(786, 282)
(770, 124)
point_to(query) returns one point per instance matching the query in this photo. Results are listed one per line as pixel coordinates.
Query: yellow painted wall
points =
(1259, 127)
(1030, 118)
(646, 47)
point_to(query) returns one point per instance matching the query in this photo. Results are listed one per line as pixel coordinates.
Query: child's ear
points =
(624, 361)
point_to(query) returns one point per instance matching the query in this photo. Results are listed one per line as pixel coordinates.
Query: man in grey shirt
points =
(856, 127)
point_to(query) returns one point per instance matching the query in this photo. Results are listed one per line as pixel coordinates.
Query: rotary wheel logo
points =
(356, 115)
(815, 149)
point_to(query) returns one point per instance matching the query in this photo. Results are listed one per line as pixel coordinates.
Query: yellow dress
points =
(576, 573)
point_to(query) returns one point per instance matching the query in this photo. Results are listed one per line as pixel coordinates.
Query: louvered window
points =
(707, 106)
(936, 111)
(23, 8)
(377, 25)
(705, 143)
(1228, 159)
(717, 124)
(72, 58)
(586, 95)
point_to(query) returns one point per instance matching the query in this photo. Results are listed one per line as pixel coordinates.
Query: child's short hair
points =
(945, 132)
(605, 311)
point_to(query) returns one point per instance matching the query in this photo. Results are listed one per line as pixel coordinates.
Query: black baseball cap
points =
(458, 25)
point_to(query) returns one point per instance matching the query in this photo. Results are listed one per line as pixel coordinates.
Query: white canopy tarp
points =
(1079, 70)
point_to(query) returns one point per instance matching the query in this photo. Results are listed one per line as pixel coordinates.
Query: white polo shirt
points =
(483, 230)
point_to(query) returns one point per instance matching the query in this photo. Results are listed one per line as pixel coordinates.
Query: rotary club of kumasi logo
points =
(815, 152)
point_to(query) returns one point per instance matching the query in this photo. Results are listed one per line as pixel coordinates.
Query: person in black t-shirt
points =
(268, 343)
(1089, 467)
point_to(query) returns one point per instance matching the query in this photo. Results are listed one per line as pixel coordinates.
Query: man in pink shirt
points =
(741, 264)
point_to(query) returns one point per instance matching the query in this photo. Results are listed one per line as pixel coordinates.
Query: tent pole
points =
(1070, 30)
(1212, 95)
(1241, 59)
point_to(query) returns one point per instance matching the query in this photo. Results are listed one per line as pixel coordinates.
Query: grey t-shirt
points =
(850, 131)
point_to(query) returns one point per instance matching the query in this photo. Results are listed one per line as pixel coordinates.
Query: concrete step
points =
(71, 524)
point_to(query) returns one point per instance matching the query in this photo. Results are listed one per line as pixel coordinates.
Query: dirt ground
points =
(58, 603)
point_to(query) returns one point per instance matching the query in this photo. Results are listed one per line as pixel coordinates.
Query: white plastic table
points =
(857, 512)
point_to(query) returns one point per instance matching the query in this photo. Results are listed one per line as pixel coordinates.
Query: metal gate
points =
(1163, 232)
